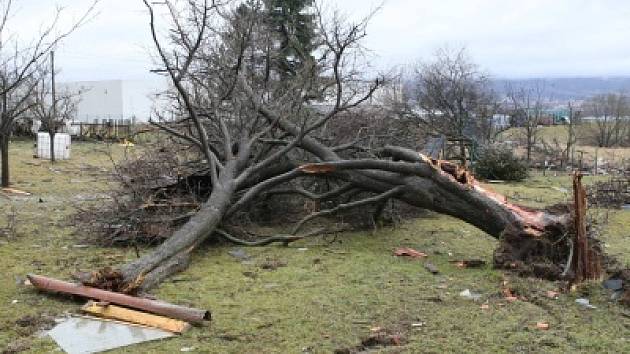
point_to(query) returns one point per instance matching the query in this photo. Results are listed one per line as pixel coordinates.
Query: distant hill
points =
(568, 88)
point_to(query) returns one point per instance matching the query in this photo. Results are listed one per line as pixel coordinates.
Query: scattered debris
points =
(239, 254)
(127, 143)
(409, 252)
(431, 268)
(616, 295)
(585, 303)
(485, 306)
(469, 263)
(613, 193)
(542, 326)
(14, 192)
(127, 315)
(613, 284)
(382, 338)
(552, 294)
(272, 264)
(91, 335)
(187, 349)
(302, 249)
(509, 294)
(35, 321)
(560, 189)
(192, 315)
(467, 294)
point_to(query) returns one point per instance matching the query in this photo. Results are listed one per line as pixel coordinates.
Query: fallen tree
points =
(256, 134)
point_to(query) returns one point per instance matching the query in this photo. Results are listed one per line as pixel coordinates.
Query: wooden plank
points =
(196, 316)
(124, 314)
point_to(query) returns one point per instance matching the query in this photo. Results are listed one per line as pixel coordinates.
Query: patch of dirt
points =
(272, 264)
(29, 324)
(380, 339)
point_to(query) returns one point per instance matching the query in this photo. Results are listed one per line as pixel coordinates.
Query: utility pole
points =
(52, 120)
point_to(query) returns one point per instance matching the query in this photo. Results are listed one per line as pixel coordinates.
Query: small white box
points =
(62, 146)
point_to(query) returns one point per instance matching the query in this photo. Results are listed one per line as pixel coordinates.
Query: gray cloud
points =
(508, 38)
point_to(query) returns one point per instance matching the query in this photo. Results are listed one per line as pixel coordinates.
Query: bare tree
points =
(571, 126)
(527, 113)
(256, 134)
(19, 66)
(610, 114)
(490, 128)
(453, 96)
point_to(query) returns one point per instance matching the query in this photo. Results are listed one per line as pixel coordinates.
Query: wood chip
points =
(542, 326)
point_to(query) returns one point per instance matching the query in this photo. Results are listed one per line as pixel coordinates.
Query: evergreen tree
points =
(294, 27)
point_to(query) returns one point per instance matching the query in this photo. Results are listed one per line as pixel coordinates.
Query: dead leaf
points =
(469, 263)
(507, 292)
(409, 252)
(552, 294)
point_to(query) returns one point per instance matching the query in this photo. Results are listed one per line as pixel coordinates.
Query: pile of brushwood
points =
(164, 185)
(245, 128)
(613, 193)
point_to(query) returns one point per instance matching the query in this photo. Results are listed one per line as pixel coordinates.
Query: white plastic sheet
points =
(82, 335)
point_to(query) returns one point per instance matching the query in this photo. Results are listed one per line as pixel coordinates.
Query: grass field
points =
(614, 156)
(330, 294)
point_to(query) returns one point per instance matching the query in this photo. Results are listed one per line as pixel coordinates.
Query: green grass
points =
(327, 297)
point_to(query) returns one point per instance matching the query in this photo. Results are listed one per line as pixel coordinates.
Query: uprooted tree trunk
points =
(538, 242)
(245, 125)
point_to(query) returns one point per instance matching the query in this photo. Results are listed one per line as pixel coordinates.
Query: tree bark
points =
(173, 255)
(52, 146)
(4, 152)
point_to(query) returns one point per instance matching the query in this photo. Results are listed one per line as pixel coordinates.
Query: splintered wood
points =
(457, 172)
(313, 168)
(587, 261)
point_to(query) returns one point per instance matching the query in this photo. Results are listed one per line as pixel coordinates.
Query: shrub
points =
(500, 162)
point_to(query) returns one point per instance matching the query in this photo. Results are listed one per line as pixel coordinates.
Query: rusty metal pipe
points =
(192, 315)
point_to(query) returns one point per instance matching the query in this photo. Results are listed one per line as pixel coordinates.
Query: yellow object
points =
(14, 191)
(127, 143)
(142, 318)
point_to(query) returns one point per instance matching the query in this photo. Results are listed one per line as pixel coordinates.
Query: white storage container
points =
(62, 146)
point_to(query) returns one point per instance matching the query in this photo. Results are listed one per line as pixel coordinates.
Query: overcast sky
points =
(507, 38)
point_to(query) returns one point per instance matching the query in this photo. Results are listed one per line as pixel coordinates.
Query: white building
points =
(113, 100)
(500, 121)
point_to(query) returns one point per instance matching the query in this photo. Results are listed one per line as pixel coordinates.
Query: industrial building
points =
(120, 101)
